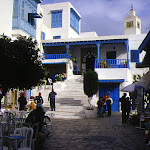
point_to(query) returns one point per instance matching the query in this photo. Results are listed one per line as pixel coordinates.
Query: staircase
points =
(70, 99)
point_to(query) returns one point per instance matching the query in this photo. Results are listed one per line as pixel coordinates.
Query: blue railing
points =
(111, 63)
(56, 56)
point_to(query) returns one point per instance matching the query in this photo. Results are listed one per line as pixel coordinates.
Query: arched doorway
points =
(89, 60)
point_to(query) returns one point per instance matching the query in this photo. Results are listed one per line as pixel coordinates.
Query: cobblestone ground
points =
(106, 133)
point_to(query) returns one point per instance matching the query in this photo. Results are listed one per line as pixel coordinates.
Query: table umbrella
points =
(134, 86)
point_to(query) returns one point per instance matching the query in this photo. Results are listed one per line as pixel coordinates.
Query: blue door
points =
(111, 89)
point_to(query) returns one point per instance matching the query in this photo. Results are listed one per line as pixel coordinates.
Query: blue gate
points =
(111, 89)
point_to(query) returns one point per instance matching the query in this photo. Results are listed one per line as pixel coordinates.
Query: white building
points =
(20, 17)
(57, 27)
(112, 57)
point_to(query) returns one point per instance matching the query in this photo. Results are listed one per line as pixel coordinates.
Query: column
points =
(67, 48)
(127, 48)
(98, 51)
(67, 63)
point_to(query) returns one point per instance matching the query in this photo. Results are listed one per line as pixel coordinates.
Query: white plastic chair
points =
(21, 114)
(28, 133)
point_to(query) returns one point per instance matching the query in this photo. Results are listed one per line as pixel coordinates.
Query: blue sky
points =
(106, 17)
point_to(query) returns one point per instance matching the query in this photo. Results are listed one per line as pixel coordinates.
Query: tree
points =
(21, 66)
(91, 84)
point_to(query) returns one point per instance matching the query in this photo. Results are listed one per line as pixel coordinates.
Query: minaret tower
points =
(132, 23)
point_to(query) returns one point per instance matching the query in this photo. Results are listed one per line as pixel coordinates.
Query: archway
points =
(89, 60)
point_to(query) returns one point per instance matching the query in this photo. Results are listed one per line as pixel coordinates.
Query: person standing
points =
(38, 100)
(104, 102)
(51, 97)
(22, 102)
(123, 107)
(109, 102)
(100, 107)
(128, 108)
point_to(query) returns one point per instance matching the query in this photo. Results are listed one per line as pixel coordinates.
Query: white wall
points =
(134, 43)
(6, 11)
(113, 74)
(121, 52)
(88, 34)
(65, 31)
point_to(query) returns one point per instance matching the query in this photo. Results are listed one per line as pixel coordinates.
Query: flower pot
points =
(91, 113)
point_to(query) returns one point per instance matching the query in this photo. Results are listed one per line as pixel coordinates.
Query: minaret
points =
(132, 23)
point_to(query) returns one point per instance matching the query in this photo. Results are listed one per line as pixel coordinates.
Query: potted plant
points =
(91, 86)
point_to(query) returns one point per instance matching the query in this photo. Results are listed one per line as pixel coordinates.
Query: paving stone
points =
(106, 133)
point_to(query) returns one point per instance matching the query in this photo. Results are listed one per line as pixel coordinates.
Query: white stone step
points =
(70, 98)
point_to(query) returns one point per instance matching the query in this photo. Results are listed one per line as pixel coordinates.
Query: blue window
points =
(42, 36)
(74, 20)
(134, 56)
(56, 37)
(56, 21)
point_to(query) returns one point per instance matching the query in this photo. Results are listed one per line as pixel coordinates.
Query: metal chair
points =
(48, 122)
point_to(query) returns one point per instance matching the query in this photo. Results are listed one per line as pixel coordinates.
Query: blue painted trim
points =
(98, 50)
(67, 48)
(147, 38)
(127, 48)
(84, 42)
(117, 80)
(55, 63)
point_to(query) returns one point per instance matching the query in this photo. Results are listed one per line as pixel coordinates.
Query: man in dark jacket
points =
(123, 107)
(51, 97)
(100, 108)
(22, 101)
(109, 102)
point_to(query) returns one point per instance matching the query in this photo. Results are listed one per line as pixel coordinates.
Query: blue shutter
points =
(74, 20)
(134, 56)
(56, 20)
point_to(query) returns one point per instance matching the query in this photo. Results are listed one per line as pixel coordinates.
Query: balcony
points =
(56, 56)
(24, 25)
(111, 63)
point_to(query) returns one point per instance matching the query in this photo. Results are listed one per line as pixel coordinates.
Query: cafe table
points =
(14, 141)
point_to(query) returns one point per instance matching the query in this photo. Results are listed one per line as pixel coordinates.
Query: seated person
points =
(37, 116)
